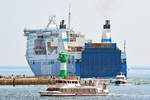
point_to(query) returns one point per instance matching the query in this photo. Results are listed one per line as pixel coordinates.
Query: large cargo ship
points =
(43, 50)
(86, 59)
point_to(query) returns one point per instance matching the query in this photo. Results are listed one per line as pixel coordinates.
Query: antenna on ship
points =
(52, 20)
(69, 16)
(124, 45)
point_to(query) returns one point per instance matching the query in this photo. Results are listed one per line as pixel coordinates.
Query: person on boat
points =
(90, 83)
(104, 86)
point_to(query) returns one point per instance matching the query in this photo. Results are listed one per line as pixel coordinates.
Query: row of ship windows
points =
(35, 62)
(72, 36)
(52, 40)
(39, 37)
(46, 63)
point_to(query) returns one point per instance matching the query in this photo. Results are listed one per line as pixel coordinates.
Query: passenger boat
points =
(64, 87)
(121, 80)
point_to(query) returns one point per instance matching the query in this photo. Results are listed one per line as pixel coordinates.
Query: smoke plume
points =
(107, 7)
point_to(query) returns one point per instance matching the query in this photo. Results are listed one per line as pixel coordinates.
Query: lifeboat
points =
(38, 48)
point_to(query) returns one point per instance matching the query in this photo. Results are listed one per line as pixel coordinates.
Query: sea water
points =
(138, 77)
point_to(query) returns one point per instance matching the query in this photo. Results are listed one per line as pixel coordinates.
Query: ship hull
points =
(45, 68)
(45, 93)
(77, 95)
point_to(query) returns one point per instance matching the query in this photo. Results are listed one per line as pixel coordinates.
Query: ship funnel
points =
(106, 35)
(62, 25)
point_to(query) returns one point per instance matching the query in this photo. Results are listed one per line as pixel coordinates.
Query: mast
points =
(124, 46)
(69, 16)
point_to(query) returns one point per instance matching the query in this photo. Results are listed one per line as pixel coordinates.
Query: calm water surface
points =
(139, 90)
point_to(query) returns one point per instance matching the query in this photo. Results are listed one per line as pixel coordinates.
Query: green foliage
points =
(117, 48)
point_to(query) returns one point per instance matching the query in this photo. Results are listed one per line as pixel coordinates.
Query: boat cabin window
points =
(120, 77)
(63, 81)
(60, 81)
(69, 82)
(52, 89)
(73, 82)
(76, 82)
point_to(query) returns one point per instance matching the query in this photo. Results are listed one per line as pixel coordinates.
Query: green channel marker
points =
(63, 58)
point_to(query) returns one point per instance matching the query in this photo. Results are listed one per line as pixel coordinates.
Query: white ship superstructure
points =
(42, 48)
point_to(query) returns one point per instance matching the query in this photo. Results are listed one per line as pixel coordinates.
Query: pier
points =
(38, 80)
(32, 80)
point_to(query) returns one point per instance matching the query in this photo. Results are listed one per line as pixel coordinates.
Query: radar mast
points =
(69, 16)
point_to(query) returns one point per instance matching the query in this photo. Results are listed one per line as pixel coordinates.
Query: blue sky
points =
(129, 18)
